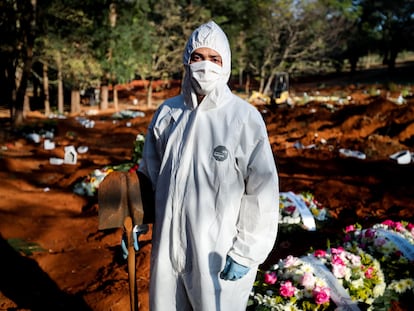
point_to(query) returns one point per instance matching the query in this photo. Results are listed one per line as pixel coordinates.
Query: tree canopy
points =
(82, 44)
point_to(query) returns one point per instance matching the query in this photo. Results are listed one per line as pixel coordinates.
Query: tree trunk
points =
(104, 97)
(60, 83)
(75, 102)
(21, 91)
(392, 59)
(247, 86)
(26, 105)
(28, 24)
(267, 90)
(149, 94)
(240, 76)
(261, 83)
(115, 92)
(46, 90)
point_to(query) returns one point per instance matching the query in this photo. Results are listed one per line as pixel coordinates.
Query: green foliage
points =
(27, 248)
(147, 37)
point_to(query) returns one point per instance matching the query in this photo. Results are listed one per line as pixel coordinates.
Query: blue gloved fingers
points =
(233, 271)
(124, 243)
(136, 247)
(135, 234)
(124, 247)
(224, 273)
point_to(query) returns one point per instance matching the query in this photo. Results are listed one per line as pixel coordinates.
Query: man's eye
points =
(195, 58)
(217, 61)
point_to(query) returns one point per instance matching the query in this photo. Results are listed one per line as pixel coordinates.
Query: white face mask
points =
(204, 76)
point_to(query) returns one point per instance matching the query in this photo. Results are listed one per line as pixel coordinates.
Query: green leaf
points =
(25, 247)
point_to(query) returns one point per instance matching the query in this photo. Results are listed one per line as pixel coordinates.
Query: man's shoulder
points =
(170, 108)
(173, 102)
(243, 106)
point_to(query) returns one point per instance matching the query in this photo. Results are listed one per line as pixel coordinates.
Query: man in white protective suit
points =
(212, 169)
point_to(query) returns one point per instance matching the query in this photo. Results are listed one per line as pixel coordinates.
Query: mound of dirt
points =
(77, 267)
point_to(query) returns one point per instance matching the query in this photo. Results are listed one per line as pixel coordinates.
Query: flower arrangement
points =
(395, 291)
(334, 279)
(392, 243)
(90, 183)
(300, 211)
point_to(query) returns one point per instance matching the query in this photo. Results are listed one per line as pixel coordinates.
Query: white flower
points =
(401, 286)
(140, 138)
(379, 290)
(358, 283)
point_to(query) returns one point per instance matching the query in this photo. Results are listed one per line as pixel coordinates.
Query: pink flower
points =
(369, 273)
(356, 260)
(319, 253)
(347, 238)
(410, 227)
(349, 228)
(290, 261)
(336, 260)
(388, 222)
(270, 278)
(338, 250)
(290, 209)
(287, 289)
(308, 280)
(399, 227)
(321, 294)
(369, 233)
(339, 271)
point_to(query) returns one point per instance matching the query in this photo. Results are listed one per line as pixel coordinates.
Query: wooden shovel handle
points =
(133, 294)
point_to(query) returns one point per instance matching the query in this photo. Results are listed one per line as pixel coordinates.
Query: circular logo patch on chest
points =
(220, 153)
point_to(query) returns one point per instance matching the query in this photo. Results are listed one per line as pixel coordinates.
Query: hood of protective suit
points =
(208, 35)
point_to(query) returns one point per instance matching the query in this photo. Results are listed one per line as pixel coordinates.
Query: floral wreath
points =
(324, 280)
(392, 242)
(300, 211)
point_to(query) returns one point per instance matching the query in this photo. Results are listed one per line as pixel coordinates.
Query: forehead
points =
(206, 52)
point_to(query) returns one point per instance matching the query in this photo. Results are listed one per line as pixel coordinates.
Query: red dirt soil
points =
(81, 268)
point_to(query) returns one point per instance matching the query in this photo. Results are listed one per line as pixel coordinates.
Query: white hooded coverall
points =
(216, 191)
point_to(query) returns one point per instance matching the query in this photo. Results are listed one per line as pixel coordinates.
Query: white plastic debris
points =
(82, 149)
(34, 137)
(86, 122)
(402, 157)
(400, 100)
(48, 144)
(56, 161)
(49, 135)
(352, 153)
(70, 155)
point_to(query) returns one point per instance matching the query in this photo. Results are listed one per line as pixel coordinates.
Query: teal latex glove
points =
(136, 232)
(232, 270)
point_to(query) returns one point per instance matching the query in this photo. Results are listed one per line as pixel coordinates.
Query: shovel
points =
(120, 204)
(119, 196)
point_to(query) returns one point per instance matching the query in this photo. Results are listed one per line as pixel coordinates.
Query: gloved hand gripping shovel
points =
(120, 204)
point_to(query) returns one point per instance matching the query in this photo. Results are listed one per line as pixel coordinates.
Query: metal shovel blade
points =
(135, 204)
(119, 196)
(112, 201)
